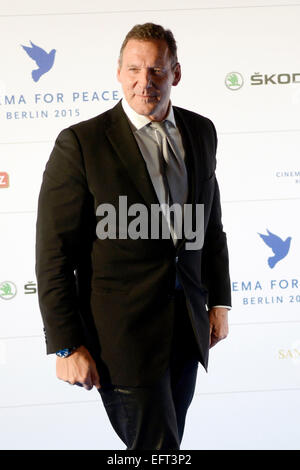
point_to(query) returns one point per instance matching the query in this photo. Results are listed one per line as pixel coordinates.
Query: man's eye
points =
(157, 71)
(154, 71)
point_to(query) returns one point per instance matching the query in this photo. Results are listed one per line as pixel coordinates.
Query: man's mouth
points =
(146, 96)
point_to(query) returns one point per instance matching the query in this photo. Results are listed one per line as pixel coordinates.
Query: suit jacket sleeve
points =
(60, 213)
(215, 265)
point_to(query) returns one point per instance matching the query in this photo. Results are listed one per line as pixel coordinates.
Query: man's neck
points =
(140, 120)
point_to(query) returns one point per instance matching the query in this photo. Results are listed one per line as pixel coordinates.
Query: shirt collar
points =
(139, 121)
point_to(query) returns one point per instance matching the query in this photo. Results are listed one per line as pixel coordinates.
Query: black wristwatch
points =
(66, 352)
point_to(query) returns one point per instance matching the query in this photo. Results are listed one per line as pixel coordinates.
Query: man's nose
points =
(145, 77)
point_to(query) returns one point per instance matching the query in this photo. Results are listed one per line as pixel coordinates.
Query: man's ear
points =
(118, 71)
(177, 74)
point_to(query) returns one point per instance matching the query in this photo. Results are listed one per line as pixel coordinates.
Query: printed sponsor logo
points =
(49, 104)
(291, 353)
(235, 80)
(279, 247)
(4, 179)
(8, 290)
(292, 175)
(283, 290)
(43, 60)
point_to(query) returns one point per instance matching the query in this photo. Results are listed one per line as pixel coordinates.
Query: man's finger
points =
(96, 379)
(213, 341)
(87, 387)
(79, 384)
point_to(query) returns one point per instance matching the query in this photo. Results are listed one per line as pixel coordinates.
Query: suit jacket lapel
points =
(192, 159)
(124, 143)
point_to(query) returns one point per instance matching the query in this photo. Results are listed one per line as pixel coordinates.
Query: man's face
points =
(147, 76)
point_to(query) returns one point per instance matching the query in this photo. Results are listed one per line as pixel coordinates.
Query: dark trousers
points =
(153, 417)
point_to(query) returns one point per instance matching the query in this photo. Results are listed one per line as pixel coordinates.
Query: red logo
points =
(4, 179)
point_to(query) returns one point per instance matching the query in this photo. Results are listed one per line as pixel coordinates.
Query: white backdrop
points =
(250, 399)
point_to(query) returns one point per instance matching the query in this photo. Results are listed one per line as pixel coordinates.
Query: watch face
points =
(65, 352)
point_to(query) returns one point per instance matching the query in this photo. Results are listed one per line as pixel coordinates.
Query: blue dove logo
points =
(43, 60)
(279, 247)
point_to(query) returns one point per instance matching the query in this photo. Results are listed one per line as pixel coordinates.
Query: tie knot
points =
(160, 126)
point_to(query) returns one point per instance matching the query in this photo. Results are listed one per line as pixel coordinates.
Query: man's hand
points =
(218, 321)
(79, 368)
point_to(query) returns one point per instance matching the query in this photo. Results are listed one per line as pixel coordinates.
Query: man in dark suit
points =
(133, 316)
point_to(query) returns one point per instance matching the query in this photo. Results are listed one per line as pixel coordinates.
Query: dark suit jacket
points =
(117, 295)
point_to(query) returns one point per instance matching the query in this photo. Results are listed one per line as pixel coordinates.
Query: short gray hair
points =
(149, 31)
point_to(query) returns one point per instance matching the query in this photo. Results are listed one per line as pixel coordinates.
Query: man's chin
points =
(144, 107)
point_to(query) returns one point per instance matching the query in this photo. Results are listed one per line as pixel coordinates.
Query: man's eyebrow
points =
(157, 66)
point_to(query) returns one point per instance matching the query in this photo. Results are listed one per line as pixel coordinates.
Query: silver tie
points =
(173, 168)
(174, 174)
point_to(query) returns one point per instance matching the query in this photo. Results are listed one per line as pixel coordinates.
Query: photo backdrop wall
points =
(241, 68)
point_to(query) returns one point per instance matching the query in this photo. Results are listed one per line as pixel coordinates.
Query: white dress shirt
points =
(145, 137)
